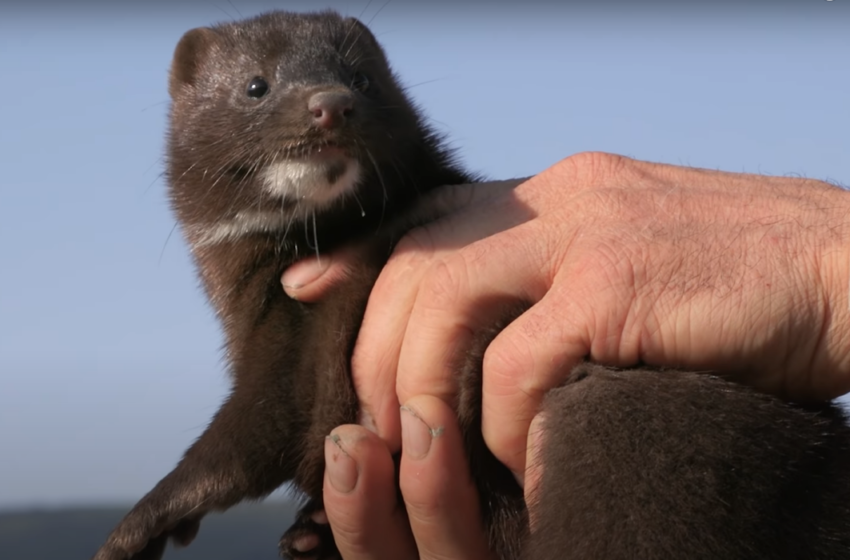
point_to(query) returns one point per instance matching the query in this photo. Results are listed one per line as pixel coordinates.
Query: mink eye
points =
(257, 88)
(360, 82)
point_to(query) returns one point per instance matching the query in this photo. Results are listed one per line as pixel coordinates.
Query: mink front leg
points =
(231, 461)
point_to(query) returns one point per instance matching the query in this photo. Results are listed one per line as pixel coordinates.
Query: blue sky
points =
(110, 359)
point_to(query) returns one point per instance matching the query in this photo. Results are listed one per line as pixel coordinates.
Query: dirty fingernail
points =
(416, 435)
(340, 467)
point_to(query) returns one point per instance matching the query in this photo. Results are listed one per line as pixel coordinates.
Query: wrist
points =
(833, 367)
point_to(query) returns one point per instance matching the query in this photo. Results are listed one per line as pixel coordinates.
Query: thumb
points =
(308, 280)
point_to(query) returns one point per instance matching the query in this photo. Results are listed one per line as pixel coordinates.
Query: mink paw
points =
(140, 536)
(310, 537)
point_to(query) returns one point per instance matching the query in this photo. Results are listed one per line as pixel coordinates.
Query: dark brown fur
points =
(638, 464)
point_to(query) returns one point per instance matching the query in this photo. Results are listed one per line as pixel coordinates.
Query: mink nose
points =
(330, 108)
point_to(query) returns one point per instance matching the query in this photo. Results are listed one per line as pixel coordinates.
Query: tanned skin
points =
(289, 135)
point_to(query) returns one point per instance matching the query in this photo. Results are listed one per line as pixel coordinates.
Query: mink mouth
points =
(327, 153)
(313, 150)
(314, 170)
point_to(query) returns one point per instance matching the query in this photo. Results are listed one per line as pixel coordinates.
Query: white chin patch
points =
(310, 181)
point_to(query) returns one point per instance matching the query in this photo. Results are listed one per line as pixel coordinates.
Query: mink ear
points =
(190, 53)
(360, 32)
(363, 33)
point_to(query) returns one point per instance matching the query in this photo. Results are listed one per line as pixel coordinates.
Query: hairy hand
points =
(624, 262)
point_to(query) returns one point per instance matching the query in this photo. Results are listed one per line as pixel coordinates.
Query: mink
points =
(290, 135)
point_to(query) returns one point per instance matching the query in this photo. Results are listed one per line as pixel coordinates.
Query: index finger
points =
(478, 211)
(458, 303)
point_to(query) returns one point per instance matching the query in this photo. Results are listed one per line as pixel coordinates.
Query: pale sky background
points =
(109, 356)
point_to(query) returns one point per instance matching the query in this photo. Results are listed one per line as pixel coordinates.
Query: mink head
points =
(285, 115)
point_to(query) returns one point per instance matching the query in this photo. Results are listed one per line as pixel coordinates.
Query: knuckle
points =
(418, 240)
(410, 258)
(595, 166)
(414, 250)
(443, 283)
(396, 270)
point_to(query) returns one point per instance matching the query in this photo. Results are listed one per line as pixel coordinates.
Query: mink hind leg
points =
(664, 464)
(310, 536)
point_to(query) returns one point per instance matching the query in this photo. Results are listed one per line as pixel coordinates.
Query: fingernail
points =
(341, 469)
(532, 457)
(535, 433)
(416, 435)
(304, 272)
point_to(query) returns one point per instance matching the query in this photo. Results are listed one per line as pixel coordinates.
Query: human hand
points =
(439, 518)
(625, 262)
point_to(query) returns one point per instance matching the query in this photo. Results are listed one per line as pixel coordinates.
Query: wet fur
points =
(638, 464)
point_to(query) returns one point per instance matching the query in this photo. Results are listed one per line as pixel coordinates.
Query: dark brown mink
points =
(289, 135)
